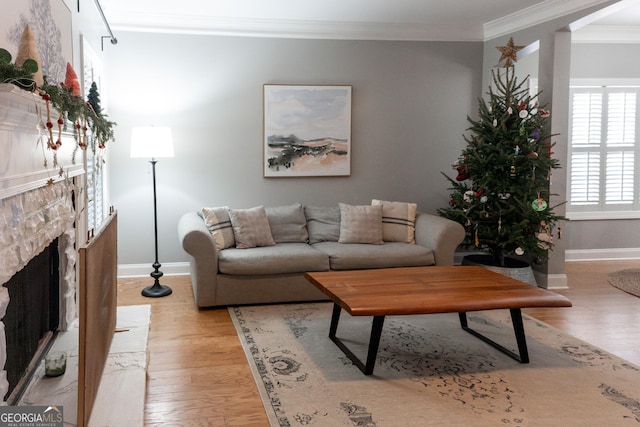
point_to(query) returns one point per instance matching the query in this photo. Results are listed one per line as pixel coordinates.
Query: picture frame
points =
(307, 130)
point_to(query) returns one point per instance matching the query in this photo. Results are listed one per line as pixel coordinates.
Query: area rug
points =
(430, 372)
(628, 280)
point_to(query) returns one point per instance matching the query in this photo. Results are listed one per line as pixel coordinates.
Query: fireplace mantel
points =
(25, 161)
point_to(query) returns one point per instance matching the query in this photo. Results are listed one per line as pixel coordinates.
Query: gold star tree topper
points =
(509, 53)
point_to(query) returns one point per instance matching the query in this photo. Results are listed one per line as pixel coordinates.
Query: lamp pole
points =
(156, 290)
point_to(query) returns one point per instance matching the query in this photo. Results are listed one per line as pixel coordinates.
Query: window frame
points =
(600, 211)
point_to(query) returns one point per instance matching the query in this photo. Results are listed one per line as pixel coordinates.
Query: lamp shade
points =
(151, 141)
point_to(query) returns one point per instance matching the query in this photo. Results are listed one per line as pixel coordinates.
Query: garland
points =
(66, 100)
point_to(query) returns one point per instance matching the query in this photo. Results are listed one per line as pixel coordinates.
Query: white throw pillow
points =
(219, 225)
(360, 224)
(251, 227)
(398, 221)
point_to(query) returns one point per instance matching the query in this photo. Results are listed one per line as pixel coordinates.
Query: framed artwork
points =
(307, 131)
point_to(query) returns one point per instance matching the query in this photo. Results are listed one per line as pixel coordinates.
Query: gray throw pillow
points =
(361, 224)
(323, 223)
(251, 227)
(219, 225)
(288, 224)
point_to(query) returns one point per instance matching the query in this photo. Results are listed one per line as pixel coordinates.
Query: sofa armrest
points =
(440, 234)
(199, 244)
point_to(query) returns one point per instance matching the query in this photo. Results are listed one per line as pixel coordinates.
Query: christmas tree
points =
(501, 191)
(94, 98)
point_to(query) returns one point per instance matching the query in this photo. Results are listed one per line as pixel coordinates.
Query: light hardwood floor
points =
(198, 374)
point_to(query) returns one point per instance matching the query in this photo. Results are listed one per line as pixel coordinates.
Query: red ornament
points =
(463, 173)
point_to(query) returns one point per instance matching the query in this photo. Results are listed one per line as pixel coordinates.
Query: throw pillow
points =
(360, 224)
(398, 221)
(251, 227)
(288, 224)
(219, 225)
(323, 223)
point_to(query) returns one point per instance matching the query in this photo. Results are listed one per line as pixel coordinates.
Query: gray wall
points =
(410, 102)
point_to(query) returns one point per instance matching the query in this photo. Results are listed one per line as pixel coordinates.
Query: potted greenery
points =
(501, 191)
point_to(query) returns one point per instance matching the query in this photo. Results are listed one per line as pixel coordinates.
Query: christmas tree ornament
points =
(516, 151)
(463, 173)
(539, 204)
(495, 123)
(523, 114)
(522, 131)
(512, 171)
(519, 251)
(509, 111)
(509, 53)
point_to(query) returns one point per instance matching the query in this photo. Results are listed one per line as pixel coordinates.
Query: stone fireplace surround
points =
(36, 202)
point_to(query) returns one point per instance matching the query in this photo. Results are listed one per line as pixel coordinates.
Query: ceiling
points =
(450, 20)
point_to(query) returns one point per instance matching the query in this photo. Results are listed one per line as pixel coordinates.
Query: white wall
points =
(410, 102)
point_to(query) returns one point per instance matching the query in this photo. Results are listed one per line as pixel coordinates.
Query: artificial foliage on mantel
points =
(64, 103)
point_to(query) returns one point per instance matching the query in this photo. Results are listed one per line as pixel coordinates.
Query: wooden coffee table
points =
(428, 290)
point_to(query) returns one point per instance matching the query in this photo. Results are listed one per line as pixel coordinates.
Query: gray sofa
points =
(305, 238)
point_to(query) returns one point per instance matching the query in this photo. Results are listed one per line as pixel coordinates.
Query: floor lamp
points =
(153, 142)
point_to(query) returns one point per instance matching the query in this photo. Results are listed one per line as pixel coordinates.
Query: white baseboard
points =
(557, 281)
(614, 254)
(144, 270)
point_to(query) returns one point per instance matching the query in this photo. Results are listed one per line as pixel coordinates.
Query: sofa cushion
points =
(363, 256)
(251, 227)
(398, 221)
(360, 224)
(219, 225)
(279, 259)
(323, 223)
(288, 224)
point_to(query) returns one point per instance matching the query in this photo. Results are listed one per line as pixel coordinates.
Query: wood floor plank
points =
(198, 374)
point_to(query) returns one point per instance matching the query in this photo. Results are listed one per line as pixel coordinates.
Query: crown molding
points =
(207, 25)
(534, 15)
(606, 34)
(307, 29)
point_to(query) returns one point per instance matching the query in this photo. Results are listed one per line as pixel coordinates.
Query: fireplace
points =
(40, 258)
(32, 318)
(40, 195)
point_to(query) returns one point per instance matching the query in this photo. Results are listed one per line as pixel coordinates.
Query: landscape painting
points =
(307, 131)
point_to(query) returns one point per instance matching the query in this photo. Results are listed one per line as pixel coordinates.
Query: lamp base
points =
(157, 290)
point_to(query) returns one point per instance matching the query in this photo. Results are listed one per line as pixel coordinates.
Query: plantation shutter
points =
(586, 138)
(603, 149)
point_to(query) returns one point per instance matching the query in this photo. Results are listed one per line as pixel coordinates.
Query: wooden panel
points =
(98, 304)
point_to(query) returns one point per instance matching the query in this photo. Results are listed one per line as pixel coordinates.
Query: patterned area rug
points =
(628, 280)
(430, 372)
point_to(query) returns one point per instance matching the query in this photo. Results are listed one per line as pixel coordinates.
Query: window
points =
(604, 181)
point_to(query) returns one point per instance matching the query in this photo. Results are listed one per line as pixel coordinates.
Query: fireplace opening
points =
(32, 318)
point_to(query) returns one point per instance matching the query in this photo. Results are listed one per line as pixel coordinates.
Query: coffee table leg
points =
(374, 341)
(518, 328)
